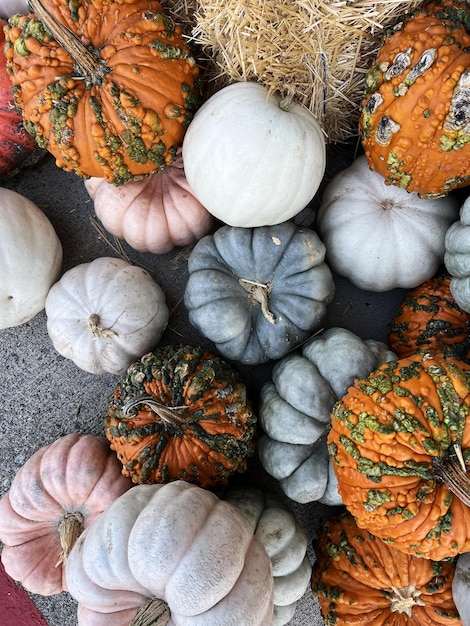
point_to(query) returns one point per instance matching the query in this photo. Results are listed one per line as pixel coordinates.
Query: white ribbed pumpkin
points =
(177, 546)
(380, 236)
(105, 314)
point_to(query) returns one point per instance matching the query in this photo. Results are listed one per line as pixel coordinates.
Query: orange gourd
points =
(361, 580)
(181, 413)
(429, 318)
(110, 92)
(415, 113)
(400, 447)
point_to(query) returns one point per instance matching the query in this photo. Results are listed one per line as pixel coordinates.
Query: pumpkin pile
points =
(275, 452)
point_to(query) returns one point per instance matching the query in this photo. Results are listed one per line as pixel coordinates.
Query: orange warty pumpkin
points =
(111, 94)
(429, 318)
(181, 413)
(400, 446)
(360, 580)
(415, 113)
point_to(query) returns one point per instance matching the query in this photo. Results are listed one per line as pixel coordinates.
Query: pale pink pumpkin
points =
(154, 214)
(60, 490)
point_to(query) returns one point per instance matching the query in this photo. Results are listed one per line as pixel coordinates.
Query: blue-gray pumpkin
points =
(258, 292)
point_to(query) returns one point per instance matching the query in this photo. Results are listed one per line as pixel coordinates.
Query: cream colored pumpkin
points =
(457, 257)
(105, 314)
(30, 258)
(154, 214)
(179, 547)
(251, 159)
(379, 236)
(284, 541)
(10, 7)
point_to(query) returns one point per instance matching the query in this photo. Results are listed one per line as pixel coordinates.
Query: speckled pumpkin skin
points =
(387, 434)
(429, 318)
(127, 124)
(415, 114)
(216, 435)
(360, 580)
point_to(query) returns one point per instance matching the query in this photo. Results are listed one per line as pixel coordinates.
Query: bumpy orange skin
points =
(429, 318)
(387, 435)
(357, 577)
(415, 114)
(123, 125)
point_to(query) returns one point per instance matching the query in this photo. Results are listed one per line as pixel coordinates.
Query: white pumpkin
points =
(457, 257)
(461, 587)
(250, 160)
(284, 541)
(11, 7)
(177, 548)
(30, 258)
(105, 314)
(379, 236)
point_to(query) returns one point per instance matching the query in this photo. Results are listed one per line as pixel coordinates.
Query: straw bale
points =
(316, 50)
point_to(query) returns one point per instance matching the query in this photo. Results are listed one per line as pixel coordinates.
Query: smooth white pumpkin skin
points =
(379, 236)
(250, 162)
(154, 214)
(177, 542)
(461, 587)
(131, 309)
(30, 258)
(11, 7)
(457, 257)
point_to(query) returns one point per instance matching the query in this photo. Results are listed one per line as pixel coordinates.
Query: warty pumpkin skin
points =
(295, 406)
(119, 107)
(361, 580)
(176, 549)
(59, 491)
(17, 147)
(398, 439)
(181, 413)
(429, 318)
(415, 112)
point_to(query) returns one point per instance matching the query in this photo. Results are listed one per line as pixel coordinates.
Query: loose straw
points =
(317, 50)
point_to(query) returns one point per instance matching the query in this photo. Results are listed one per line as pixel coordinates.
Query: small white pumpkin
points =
(30, 258)
(175, 548)
(457, 257)
(251, 159)
(379, 236)
(105, 314)
(284, 541)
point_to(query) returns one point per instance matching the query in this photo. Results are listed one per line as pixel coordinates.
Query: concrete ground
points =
(44, 396)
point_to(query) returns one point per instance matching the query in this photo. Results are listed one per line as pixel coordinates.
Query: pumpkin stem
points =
(89, 66)
(259, 292)
(404, 599)
(452, 473)
(70, 528)
(94, 324)
(176, 416)
(155, 612)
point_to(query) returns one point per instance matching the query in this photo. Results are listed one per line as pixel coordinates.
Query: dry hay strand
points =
(317, 50)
